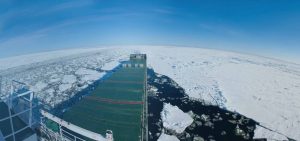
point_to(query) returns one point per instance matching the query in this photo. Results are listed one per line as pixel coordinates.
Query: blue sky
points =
(265, 27)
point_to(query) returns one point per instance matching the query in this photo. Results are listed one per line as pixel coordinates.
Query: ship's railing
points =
(70, 136)
(19, 103)
(74, 128)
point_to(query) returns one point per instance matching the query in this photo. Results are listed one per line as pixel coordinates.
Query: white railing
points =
(13, 111)
(74, 128)
(67, 134)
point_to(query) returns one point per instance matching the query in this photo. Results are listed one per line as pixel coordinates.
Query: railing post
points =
(60, 132)
(30, 112)
(11, 124)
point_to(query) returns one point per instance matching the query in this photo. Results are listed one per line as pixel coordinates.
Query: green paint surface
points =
(116, 104)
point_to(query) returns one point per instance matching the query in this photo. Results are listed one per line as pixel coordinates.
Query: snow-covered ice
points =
(175, 119)
(39, 86)
(165, 137)
(110, 65)
(56, 76)
(89, 75)
(265, 133)
(69, 79)
(263, 89)
(40, 57)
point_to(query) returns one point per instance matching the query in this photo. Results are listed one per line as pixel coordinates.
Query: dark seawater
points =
(210, 122)
(220, 124)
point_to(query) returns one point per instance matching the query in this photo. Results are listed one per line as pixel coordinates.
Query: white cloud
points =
(20, 40)
(66, 5)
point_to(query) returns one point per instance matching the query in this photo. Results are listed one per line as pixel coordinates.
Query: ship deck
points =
(116, 104)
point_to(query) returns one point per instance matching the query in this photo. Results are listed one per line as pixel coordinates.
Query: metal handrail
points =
(74, 128)
(75, 137)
